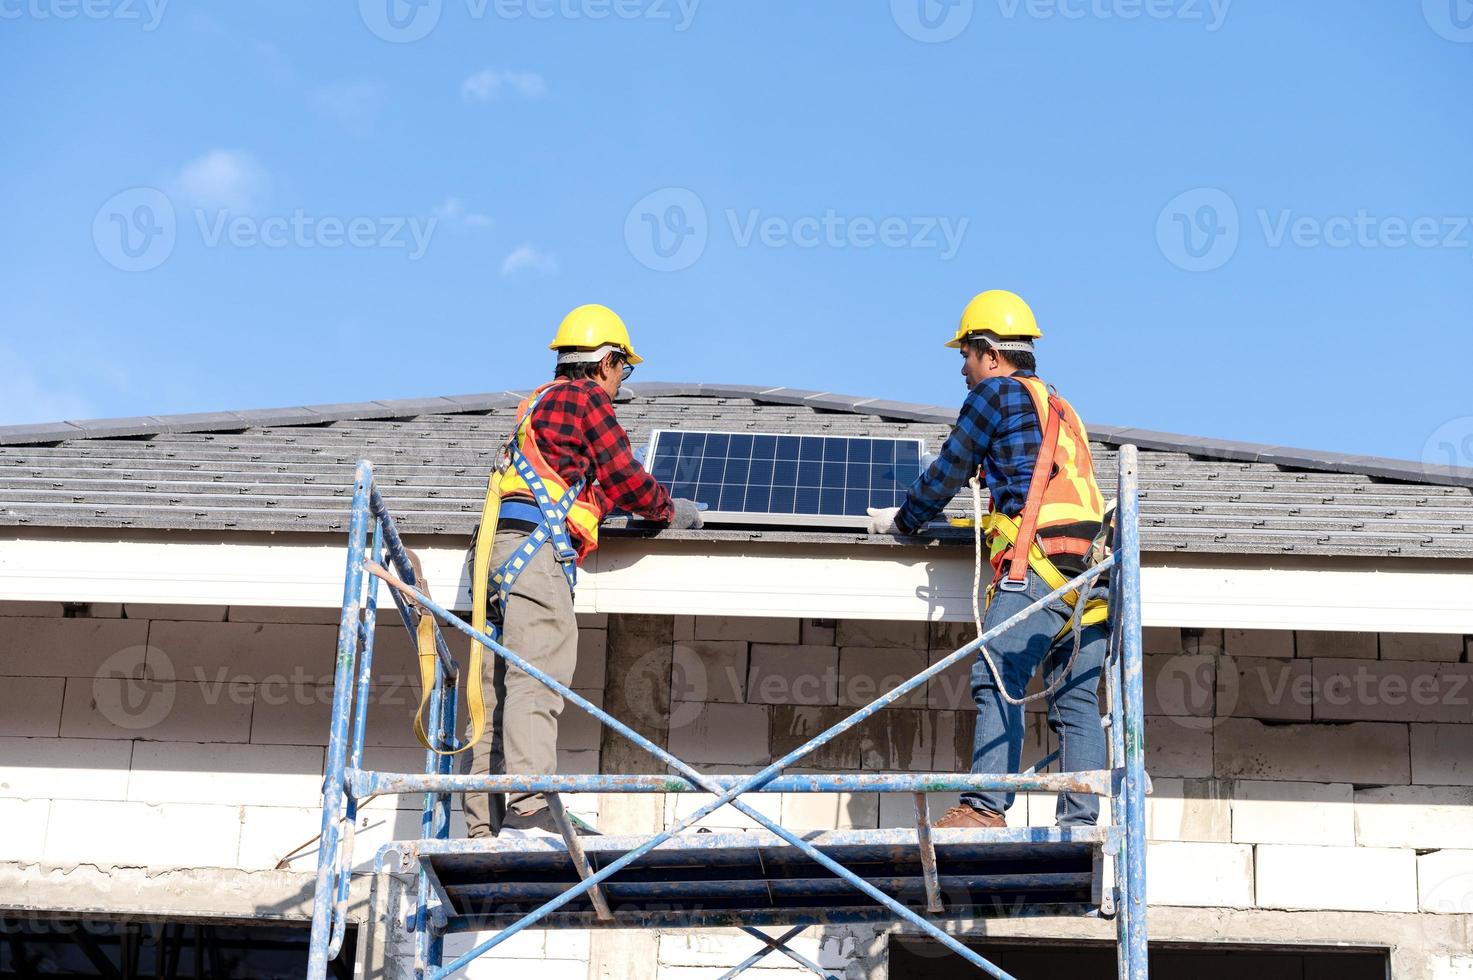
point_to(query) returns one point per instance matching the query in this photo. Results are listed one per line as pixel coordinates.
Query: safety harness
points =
(1014, 543)
(549, 515)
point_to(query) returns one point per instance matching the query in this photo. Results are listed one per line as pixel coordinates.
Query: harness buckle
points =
(1008, 585)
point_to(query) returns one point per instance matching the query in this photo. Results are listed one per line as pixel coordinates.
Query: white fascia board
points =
(756, 578)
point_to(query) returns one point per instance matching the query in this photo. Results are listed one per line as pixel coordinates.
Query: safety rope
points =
(1080, 601)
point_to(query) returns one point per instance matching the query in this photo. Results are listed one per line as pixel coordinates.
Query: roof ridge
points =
(828, 401)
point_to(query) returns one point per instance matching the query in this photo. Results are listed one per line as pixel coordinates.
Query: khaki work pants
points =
(522, 712)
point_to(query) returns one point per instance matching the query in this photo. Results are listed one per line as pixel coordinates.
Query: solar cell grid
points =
(782, 477)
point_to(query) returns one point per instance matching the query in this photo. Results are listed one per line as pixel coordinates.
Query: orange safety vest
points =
(1064, 508)
(584, 517)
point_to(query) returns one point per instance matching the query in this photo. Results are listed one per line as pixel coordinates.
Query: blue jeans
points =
(1073, 711)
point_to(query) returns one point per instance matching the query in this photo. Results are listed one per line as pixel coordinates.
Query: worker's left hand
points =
(882, 520)
(687, 515)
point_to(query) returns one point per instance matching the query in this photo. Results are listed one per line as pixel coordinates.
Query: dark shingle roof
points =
(291, 469)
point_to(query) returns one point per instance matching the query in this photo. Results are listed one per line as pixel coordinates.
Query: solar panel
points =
(776, 479)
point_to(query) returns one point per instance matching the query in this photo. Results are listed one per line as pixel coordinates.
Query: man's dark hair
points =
(1019, 359)
(578, 370)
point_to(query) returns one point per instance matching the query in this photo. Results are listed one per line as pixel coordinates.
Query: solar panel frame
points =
(778, 478)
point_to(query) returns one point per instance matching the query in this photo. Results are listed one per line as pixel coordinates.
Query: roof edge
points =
(827, 401)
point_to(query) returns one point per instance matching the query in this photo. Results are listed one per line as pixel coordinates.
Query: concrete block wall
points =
(1321, 772)
(1341, 760)
(186, 737)
(1292, 771)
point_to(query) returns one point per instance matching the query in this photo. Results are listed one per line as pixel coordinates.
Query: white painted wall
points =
(744, 579)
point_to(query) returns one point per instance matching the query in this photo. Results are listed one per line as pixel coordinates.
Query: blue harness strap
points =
(552, 526)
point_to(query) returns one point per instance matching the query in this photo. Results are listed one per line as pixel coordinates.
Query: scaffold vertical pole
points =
(1132, 913)
(325, 906)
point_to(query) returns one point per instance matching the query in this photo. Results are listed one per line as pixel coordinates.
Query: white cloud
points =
(527, 259)
(489, 84)
(354, 104)
(224, 180)
(453, 212)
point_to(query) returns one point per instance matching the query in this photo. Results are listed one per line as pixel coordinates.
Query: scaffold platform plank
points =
(757, 878)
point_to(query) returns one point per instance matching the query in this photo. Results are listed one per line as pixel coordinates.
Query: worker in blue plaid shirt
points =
(999, 433)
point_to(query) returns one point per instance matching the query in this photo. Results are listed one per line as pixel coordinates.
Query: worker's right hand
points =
(882, 520)
(687, 515)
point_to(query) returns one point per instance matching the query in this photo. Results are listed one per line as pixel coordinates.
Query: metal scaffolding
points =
(926, 878)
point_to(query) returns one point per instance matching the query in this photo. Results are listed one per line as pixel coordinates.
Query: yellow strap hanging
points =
(475, 695)
(1095, 610)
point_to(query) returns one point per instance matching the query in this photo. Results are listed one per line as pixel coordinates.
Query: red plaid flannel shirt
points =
(580, 437)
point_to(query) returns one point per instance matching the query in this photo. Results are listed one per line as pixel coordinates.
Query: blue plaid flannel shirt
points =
(997, 424)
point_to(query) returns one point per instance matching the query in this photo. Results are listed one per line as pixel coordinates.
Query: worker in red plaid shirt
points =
(571, 441)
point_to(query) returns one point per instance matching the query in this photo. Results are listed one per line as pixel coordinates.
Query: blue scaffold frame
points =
(372, 536)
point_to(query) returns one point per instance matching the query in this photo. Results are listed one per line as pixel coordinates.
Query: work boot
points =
(970, 818)
(540, 823)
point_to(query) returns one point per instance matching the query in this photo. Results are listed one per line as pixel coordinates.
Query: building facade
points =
(169, 594)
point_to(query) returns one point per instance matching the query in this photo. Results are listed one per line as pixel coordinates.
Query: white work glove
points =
(687, 515)
(882, 520)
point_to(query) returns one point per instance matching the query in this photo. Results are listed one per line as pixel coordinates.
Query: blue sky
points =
(1242, 219)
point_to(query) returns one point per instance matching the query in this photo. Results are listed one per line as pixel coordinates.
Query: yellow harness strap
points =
(475, 695)
(1003, 531)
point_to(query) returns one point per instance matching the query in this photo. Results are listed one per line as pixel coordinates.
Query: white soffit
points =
(752, 579)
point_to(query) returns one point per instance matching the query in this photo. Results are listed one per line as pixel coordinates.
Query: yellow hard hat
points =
(997, 312)
(591, 326)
